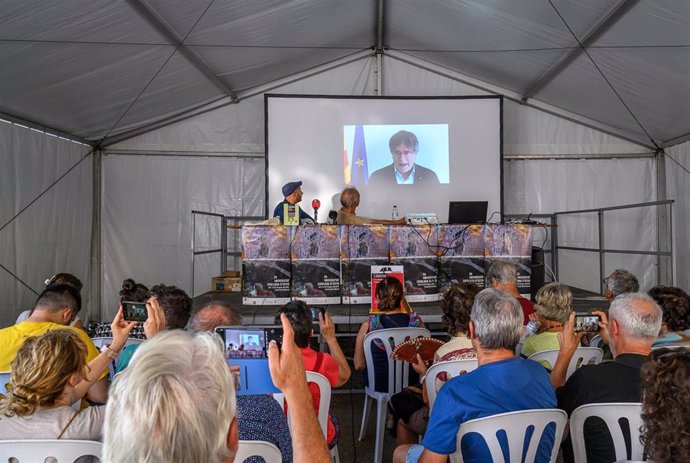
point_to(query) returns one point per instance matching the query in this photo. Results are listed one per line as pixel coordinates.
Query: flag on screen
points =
(359, 168)
(346, 164)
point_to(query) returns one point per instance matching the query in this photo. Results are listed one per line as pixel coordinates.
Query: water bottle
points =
(394, 214)
(530, 329)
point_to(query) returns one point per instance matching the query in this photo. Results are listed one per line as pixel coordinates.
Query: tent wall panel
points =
(54, 233)
(546, 186)
(147, 214)
(678, 188)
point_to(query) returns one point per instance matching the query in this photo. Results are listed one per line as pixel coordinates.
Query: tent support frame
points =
(159, 24)
(590, 37)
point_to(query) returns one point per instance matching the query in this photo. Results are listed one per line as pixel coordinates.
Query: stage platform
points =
(351, 316)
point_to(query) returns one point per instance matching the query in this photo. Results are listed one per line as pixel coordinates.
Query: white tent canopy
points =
(169, 94)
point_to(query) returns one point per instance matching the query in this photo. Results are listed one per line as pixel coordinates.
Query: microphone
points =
(316, 204)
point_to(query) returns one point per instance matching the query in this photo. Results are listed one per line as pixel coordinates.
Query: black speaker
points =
(536, 279)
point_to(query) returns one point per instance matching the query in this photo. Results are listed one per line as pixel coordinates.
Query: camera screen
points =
(241, 343)
(587, 323)
(134, 311)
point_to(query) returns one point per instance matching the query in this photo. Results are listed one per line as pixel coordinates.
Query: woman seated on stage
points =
(48, 374)
(553, 307)
(409, 407)
(389, 293)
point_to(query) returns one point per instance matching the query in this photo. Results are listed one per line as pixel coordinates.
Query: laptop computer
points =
(467, 211)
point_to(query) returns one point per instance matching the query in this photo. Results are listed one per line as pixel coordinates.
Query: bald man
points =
(349, 200)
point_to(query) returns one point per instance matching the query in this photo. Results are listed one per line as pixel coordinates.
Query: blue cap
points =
(290, 188)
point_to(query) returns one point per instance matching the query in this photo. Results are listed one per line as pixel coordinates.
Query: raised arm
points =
(94, 389)
(569, 342)
(288, 375)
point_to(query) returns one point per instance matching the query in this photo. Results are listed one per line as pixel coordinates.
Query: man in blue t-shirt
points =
(292, 191)
(502, 383)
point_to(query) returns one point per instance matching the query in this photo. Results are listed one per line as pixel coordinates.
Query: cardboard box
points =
(221, 283)
(231, 274)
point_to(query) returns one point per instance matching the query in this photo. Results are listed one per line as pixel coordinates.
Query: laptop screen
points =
(467, 211)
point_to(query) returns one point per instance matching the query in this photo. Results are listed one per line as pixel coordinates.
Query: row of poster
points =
(330, 264)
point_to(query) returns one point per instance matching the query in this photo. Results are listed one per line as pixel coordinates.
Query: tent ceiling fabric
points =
(100, 68)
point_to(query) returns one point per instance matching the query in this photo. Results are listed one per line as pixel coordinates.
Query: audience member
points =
(176, 402)
(260, 417)
(55, 308)
(502, 275)
(675, 306)
(393, 314)
(131, 291)
(59, 278)
(666, 406)
(212, 315)
(553, 307)
(409, 409)
(177, 307)
(334, 366)
(632, 325)
(48, 374)
(620, 282)
(502, 383)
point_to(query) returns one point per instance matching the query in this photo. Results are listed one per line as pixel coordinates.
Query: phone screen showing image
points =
(587, 323)
(134, 311)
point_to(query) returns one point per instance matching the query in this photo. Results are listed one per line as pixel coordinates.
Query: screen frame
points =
(267, 96)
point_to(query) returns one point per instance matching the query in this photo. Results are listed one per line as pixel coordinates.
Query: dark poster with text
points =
(315, 252)
(414, 247)
(266, 265)
(461, 255)
(361, 247)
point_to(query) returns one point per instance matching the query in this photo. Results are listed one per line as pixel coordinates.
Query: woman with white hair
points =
(553, 307)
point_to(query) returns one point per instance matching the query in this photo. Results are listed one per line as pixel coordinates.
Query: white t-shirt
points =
(49, 423)
(25, 315)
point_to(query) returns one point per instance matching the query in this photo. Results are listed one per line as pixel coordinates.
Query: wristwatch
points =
(110, 353)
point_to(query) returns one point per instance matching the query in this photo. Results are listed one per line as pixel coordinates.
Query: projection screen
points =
(417, 153)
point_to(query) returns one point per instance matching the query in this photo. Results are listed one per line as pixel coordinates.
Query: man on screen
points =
(349, 199)
(404, 170)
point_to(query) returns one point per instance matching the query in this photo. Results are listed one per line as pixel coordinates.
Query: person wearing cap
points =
(292, 191)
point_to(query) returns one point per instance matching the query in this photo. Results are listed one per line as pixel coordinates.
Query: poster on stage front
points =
(265, 265)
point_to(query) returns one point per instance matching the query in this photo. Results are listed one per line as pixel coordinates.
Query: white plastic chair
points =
(398, 378)
(100, 342)
(257, 448)
(582, 356)
(324, 406)
(4, 379)
(63, 450)
(452, 368)
(611, 413)
(596, 341)
(515, 425)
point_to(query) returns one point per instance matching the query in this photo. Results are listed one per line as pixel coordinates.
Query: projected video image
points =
(385, 155)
